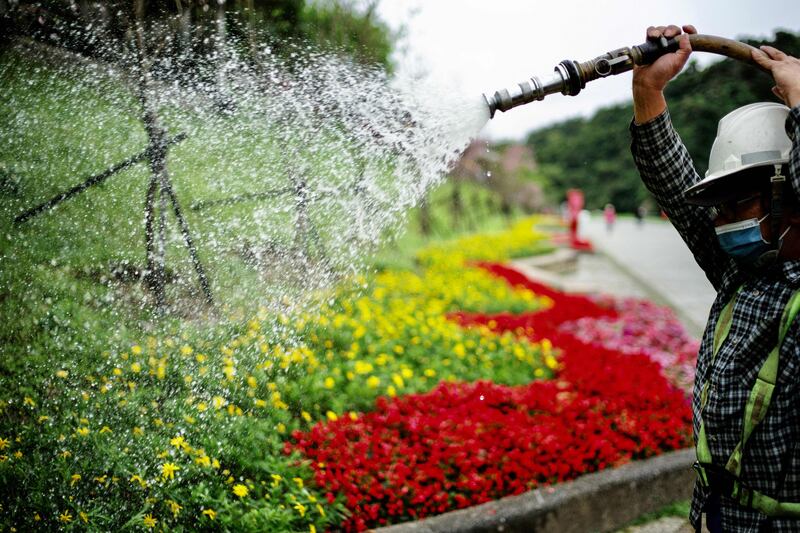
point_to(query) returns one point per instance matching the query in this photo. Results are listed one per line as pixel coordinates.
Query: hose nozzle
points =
(565, 80)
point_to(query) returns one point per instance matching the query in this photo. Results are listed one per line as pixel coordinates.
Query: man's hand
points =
(649, 81)
(786, 71)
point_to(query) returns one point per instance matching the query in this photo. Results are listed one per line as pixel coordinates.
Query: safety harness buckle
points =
(715, 478)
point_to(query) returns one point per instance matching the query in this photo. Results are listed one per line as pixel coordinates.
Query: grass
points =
(679, 509)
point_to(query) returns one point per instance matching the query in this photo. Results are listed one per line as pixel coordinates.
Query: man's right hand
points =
(649, 81)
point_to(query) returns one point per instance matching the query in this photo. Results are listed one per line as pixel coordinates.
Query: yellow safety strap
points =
(721, 331)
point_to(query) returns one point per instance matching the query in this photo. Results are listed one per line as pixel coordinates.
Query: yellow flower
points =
(459, 350)
(149, 521)
(373, 382)
(332, 416)
(74, 479)
(82, 431)
(240, 490)
(3, 443)
(300, 508)
(65, 517)
(63, 374)
(105, 429)
(29, 401)
(84, 517)
(306, 416)
(168, 470)
(362, 367)
(136, 367)
(136, 349)
(312, 529)
(219, 402)
(329, 382)
(177, 442)
(174, 507)
(138, 479)
(210, 513)
(299, 482)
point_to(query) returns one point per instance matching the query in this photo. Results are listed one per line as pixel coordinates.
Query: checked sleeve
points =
(667, 171)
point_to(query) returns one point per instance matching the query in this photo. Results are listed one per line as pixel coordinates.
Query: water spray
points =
(570, 77)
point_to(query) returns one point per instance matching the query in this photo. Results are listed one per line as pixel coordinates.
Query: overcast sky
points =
(485, 45)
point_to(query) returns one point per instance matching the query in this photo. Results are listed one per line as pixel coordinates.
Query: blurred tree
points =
(355, 30)
(89, 27)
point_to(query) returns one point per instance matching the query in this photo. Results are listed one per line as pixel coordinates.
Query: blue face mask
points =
(743, 241)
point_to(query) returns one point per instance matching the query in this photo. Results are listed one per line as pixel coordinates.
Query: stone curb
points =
(601, 501)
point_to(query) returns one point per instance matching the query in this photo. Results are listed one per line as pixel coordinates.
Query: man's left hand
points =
(785, 70)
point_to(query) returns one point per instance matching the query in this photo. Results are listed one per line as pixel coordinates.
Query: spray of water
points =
(292, 172)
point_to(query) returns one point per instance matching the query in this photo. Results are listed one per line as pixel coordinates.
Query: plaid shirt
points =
(771, 462)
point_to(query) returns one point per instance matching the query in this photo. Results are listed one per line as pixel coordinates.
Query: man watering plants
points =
(742, 223)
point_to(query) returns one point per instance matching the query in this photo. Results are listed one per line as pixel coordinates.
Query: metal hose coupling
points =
(569, 77)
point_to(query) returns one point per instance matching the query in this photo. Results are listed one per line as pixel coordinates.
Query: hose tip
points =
(491, 103)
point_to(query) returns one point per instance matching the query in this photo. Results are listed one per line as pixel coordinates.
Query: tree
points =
(88, 27)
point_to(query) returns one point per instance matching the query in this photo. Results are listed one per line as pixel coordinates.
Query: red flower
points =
(466, 443)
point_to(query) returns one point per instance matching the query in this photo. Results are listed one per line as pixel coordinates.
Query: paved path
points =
(657, 259)
(655, 256)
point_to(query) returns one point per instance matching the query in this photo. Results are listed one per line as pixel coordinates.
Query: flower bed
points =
(463, 444)
(182, 431)
(407, 394)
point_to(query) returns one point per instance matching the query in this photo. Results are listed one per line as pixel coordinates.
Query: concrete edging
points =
(601, 501)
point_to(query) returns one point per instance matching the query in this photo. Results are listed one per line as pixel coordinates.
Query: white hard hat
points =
(749, 137)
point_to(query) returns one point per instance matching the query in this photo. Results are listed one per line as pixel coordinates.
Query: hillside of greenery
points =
(351, 28)
(594, 153)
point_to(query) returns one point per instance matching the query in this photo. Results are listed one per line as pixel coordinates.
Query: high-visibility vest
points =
(726, 480)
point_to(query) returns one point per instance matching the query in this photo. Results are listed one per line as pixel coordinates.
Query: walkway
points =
(654, 255)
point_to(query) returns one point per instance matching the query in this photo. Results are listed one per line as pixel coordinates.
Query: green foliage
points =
(346, 26)
(594, 155)
(340, 25)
